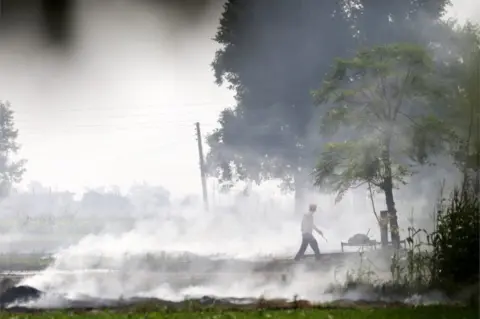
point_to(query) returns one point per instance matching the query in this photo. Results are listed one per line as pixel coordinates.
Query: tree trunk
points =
(388, 190)
(392, 215)
(384, 228)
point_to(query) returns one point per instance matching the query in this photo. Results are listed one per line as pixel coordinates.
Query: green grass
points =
(372, 313)
(23, 262)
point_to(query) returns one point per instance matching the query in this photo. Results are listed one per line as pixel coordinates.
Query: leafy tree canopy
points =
(385, 22)
(273, 53)
(382, 101)
(462, 111)
(11, 170)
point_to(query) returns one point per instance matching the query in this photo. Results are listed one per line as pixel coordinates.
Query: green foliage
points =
(429, 136)
(447, 258)
(383, 95)
(217, 312)
(456, 242)
(462, 109)
(353, 163)
(272, 53)
(11, 170)
(373, 85)
(393, 21)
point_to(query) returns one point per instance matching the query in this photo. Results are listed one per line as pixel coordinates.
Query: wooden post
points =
(384, 228)
(394, 231)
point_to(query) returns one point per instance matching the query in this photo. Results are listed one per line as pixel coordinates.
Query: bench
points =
(371, 244)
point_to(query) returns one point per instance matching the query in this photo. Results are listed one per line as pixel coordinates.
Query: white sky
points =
(121, 109)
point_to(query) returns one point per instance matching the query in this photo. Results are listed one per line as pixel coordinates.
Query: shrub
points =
(456, 240)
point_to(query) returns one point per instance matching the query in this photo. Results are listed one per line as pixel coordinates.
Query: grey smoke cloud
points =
(111, 46)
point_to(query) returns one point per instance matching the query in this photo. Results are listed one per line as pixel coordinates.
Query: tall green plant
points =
(456, 241)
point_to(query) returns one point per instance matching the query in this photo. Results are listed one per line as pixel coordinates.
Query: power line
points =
(36, 134)
(173, 144)
(140, 116)
(143, 130)
(140, 120)
(143, 107)
(154, 120)
(134, 125)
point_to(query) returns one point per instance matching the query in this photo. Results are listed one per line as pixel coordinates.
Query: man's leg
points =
(303, 248)
(314, 244)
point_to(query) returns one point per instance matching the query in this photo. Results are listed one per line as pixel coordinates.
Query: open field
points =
(178, 272)
(181, 263)
(442, 312)
(140, 276)
(24, 262)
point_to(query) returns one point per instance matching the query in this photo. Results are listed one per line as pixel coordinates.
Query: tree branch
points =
(372, 99)
(379, 89)
(409, 118)
(379, 185)
(401, 95)
(384, 92)
(357, 186)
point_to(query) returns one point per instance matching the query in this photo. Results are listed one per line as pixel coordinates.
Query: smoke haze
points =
(116, 106)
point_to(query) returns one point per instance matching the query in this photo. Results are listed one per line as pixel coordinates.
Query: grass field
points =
(24, 262)
(437, 312)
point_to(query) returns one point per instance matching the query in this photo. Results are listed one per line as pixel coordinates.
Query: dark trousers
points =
(308, 239)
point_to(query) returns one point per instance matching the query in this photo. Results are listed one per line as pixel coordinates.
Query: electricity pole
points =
(202, 166)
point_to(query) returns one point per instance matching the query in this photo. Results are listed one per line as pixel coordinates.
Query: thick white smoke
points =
(258, 228)
(115, 262)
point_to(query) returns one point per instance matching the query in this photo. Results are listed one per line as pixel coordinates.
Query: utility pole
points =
(202, 166)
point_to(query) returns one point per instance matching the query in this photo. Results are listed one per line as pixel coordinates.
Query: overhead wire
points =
(122, 122)
(170, 106)
(150, 122)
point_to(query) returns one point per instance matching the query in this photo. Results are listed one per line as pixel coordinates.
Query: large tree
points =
(381, 104)
(273, 52)
(380, 22)
(463, 102)
(11, 170)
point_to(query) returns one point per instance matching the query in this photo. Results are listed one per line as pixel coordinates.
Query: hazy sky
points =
(120, 109)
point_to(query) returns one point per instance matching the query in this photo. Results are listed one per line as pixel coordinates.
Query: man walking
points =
(308, 226)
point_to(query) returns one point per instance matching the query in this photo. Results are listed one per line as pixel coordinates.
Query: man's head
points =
(312, 208)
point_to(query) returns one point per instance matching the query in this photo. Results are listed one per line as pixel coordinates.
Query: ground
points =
(319, 313)
(23, 262)
(217, 309)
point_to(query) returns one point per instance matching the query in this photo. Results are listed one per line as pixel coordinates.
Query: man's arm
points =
(318, 230)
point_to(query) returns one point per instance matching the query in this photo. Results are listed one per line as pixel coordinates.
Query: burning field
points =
(205, 269)
(177, 281)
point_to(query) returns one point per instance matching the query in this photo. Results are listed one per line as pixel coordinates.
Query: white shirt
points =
(307, 223)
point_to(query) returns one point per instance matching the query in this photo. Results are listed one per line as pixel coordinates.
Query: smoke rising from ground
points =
(111, 59)
(113, 261)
